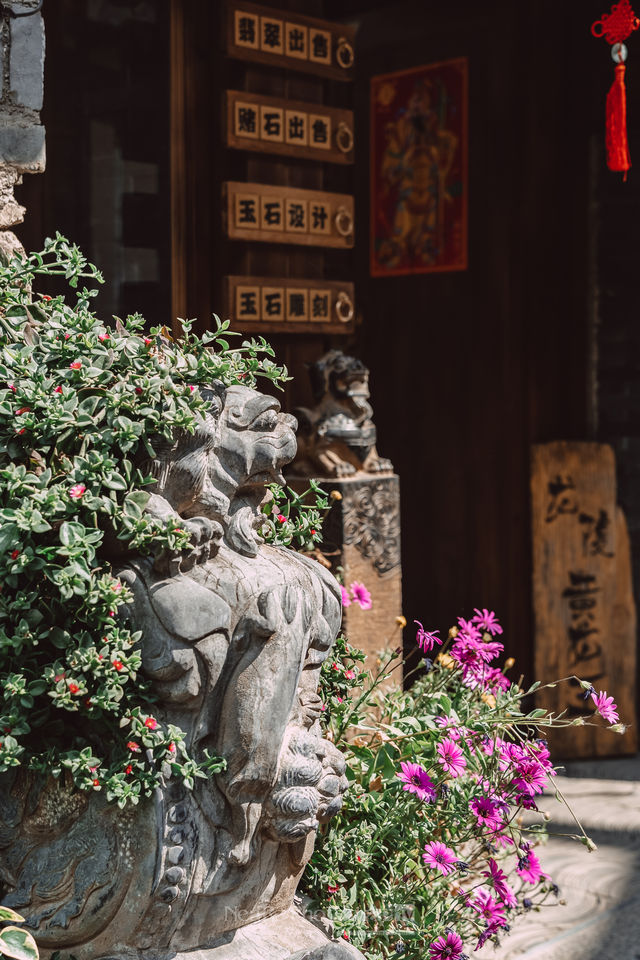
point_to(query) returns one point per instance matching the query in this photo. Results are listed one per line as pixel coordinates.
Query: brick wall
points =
(22, 147)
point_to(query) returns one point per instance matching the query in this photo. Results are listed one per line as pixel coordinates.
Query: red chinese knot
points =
(615, 27)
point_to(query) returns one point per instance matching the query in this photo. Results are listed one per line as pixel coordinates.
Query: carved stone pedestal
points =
(362, 536)
(286, 936)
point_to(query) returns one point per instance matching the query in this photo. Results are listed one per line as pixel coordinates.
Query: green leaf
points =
(6, 913)
(8, 536)
(18, 944)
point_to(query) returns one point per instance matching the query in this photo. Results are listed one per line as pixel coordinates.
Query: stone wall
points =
(22, 148)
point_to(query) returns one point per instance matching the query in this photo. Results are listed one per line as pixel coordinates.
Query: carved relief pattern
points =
(371, 521)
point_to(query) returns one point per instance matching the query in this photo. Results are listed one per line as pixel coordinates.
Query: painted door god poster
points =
(419, 170)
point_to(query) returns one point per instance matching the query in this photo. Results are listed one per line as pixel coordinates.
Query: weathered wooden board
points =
(290, 128)
(289, 304)
(281, 38)
(584, 613)
(259, 211)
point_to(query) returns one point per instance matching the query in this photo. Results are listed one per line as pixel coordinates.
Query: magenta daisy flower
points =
(438, 856)
(346, 599)
(606, 706)
(529, 777)
(497, 878)
(468, 630)
(529, 868)
(416, 780)
(446, 948)
(451, 758)
(487, 812)
(489, 908)
(361, 595)
(489, 932)
(427, 640)
(487, 620)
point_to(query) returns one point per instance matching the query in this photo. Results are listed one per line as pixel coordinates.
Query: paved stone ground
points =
(601, 919)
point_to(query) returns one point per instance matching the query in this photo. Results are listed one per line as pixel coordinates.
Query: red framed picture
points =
(419, 192)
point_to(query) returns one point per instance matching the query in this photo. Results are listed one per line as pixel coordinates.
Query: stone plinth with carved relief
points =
(337, 445)
(234, 633)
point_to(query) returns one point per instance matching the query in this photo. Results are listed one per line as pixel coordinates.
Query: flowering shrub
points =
(431, 855)
(81, 406)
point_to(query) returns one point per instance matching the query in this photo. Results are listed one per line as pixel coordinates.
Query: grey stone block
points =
(26, 60)
(23, 147)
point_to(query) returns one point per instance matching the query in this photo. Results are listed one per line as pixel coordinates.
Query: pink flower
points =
(451, 758)
(438, 856)
(58, 390)
(529, 868)
(498, 880)
(606, 706)
(486, 812)
(446, 948)
(361, 595)
(489, 908)
(468, 629)
(487, 620)
(77, 491)
(151, 723)
(191, 388)
(416, 780)
(529, 777)
(350, 674)
(281, 518)
(426, 640)
(102, 337)
(12, 387)
(76, 365)
(133, 746)
(147, 341)
(346, 599)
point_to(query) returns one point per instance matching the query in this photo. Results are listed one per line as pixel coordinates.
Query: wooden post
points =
(585, 619)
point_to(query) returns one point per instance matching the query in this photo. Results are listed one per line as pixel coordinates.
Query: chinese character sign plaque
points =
(585, 621)
(419, 170)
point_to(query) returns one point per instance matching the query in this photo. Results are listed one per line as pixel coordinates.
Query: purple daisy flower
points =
(487, 620)
(489, 908)
(606, 706)
(451, 758)
(446, 948)
(416, 780)
(438, 856)
(427, 640)
(487, 812)
(361, 595)
(530, 777)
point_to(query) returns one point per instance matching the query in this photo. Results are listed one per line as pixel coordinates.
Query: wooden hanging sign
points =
(258, 211)
(286, 127)
(284, 39)
(585, 620)
(270, 304)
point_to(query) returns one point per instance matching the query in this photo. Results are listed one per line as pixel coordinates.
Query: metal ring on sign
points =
(344, 53)
(344, 137)
(344, 308)
(344, 222)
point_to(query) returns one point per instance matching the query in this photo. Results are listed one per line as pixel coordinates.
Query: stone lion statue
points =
(234, 635)
(337, 438)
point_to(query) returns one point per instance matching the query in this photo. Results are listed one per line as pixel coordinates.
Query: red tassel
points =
(618, 158)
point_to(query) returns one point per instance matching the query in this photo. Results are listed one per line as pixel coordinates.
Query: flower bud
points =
(335, 495)
(618, 727)
(586, 685)
(510, 662)
(401, 621)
